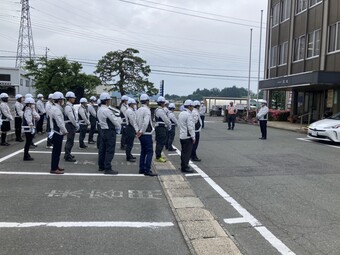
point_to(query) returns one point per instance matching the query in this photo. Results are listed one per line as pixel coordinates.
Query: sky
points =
(190, 44)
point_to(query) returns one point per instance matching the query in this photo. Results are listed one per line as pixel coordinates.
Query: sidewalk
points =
(286, 125)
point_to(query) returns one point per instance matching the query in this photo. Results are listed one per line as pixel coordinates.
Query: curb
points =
(202, 232)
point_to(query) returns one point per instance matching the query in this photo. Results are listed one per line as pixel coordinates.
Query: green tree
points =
(59, 74)
(125, 72)
(278, 99)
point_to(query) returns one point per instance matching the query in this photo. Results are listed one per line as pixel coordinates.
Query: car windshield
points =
(335, 116)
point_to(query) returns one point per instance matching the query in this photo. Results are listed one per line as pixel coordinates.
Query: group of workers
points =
(133, 122)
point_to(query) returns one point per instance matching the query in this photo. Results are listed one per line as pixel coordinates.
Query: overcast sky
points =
(189, 44)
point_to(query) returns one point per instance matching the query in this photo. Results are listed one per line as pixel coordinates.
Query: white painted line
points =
(190, 175)
(71, 174)
(304, 139)
(90, 224)
(76, 153)
(172, 154)
(276, 243)
(235, 220)
(311, 140)
(18, 152)
(94, 144)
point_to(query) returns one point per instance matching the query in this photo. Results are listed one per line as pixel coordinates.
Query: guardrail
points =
(303, 115)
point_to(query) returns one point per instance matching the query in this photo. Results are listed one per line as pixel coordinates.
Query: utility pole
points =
(25, 50)
(46, 51)
(259, 70)
(251, 42)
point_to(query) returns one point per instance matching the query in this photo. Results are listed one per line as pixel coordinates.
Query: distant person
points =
(84, 121)
(48, 108)
(93, 119)
(262, 117)
(231, 115)
(40, 108)
(123, 107)
(71, 125)
(202, 111)
(172, 131)
(198, 125)
(19, 113)
(6, 117)
(131, 129)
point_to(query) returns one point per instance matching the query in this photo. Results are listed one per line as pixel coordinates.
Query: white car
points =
(327, 129)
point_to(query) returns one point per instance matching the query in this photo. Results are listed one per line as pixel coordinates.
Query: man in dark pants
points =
(93, 119)
(40, 107)
(163, 124)
(18, 117)
(202, 110)
(110, 125)
(145, 130)
(198, 124)
(262, 117)
(131, 129)
(186, 135)
(58, 130)
(174, 123)
(231, 116)
(71, 125)
(83, 119)
(48, 107)
(123, 108)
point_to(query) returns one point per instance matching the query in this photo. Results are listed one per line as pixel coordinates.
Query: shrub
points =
(278, 115)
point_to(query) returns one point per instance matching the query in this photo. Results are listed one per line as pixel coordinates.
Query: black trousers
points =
(202, 118)
(263, 127)
(48, 129)
(195, 145)
(57, 141)
(82, 134)
(129, 139)
(17, 126)
(122, 139)
(106, 149)
(29, 138)
(70, 140)
(171, 137)
(93, 123)
(40, 123)
(231, 121)
(186, 145)
(160, 140)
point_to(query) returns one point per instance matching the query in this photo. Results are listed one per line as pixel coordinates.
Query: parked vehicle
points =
(327, 129)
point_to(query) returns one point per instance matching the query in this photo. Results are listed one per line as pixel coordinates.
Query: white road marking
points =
(304, 139)
(71, 174)
(76, 153)
(311, 141)
(89, 224)
(274, 241)
(235, 220)
(172, 154)
(190, 175)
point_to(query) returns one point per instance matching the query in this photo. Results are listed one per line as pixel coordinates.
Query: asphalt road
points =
(82, 211)
(275, 196)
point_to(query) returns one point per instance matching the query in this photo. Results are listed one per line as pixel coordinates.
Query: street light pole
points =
(259, 71)
(251, 41)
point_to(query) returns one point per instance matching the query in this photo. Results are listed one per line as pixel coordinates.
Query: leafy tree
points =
(125, 72)
(59, 74)
(278, 99)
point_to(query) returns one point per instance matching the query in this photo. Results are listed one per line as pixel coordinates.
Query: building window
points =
(333, 38)
(314, 2)
(5, 77)
(301, 5)
(273, 56)
(299, 48)
(283, 53)
(21, 82)
(313, 44)
(276, 14)
(27, 83)
(285, 10)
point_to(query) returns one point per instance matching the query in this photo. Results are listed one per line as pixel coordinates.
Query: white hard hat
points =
(167, 102)
(98, 101)
(50, 96)
(70, 94)
(93, 98)
(125, 98)
(104, 96)
(28, 95)
(57, 95)
(131, 101)
(83, 100)
(172, 105)
(263, 102)
(160, 99)
(29, 100)
(188, 102)
(197, 103)
(3, 95)
(17, 96)
(40, 95)
(144, 97)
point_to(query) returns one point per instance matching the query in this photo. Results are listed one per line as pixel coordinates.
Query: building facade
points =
(303, 55)
(14, 81)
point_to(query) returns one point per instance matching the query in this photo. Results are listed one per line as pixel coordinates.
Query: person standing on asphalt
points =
(58, 130)
(40, 107)
(131, 129)
(71, 125)
(186, 135)
(19, 113)
(93, 119)
(99, 103)
(145, 130)
(110, 126)
(231, 116)
(48, 107)
(6, 117)
(172, 131)
(30, 117)
(83, 117)
(163, 124)
(262, 117)
(202, 111)
(123, 108)
(198, 124)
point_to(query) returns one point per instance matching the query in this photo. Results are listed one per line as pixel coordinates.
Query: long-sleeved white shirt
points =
(162, 118)
(131, 118)
(40, 107)
(144, 120)
(70, 114)
(31, 117)
(84, 120)
(91, 110)
(57, 117)
(123, 109)
(104, 115)
(172, 118)
(48, 107)
(263, 113)
(197, 120)
(6, 112)
(202, 110)
(19, 109)
(186, 125)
